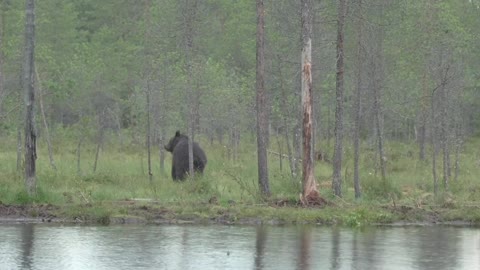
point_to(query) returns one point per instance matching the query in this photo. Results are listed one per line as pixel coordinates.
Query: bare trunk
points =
(147, 68)
(2, 75)
(189, 19)
(148, 138)
(378, 80)
(261, 101)
(19, 148)
(434, 150)
(28, 85)
(99, 146)
(45, 125)
(423, 118)
(79, 149)
(310, 189)
(280, 151)
(356, 136)
(285, 113)
(444, 136)
(337, 155)
(379, 132)
(161, 150)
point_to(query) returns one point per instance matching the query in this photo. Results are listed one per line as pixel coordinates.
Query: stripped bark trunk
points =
(44, 120)
(261, 102)
(28, 85)
(337, 155)
(310, 190)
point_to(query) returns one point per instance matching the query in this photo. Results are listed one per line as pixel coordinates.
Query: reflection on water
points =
(237, 247)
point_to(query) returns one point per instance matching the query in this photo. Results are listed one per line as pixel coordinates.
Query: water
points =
(38, 246)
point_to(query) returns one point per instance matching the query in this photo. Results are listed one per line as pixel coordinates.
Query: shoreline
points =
(134, 212)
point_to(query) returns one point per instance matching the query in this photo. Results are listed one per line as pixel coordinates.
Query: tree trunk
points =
(147, 71)
(99, 146)
(261, 101)
(28, 85)
(310, 190)
(337, 156)
(45, 125)
(443, 129)
(285, 112)
(2, 75)
(358, 95)
(378, 79)
(19, 148)
(434, 150)
(148, 138)
(161, 150)
(189, 20)
(79, 149)
(423, 118)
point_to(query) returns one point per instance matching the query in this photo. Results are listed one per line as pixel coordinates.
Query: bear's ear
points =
(177, 134)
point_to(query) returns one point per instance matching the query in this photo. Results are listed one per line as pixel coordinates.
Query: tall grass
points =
(122, 175)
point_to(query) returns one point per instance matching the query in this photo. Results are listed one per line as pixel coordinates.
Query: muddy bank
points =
(131, 212)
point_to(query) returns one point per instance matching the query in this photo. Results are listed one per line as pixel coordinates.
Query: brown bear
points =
(178, 146)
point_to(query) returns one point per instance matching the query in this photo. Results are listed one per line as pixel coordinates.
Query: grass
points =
(228, 190)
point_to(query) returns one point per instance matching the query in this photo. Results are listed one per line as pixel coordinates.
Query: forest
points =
(394, 116)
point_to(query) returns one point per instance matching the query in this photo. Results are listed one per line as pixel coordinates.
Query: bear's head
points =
(174, 141)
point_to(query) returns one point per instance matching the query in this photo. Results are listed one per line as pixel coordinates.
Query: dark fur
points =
(178, 146)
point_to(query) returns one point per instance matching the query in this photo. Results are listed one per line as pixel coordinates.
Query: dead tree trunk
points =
(337, 155)
(310, 190)
(261, 101)
(28, 85)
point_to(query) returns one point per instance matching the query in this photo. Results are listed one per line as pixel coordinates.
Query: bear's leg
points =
(174, 175)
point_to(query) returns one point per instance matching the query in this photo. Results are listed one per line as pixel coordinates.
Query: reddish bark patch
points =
(313, 198)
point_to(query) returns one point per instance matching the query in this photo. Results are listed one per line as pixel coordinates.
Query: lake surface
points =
(39, 246)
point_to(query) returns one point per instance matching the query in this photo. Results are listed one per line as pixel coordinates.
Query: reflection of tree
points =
(304, 251)
(260, 247)
(27, 245)
(438, 248)
(335, 262)
(355, 255)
